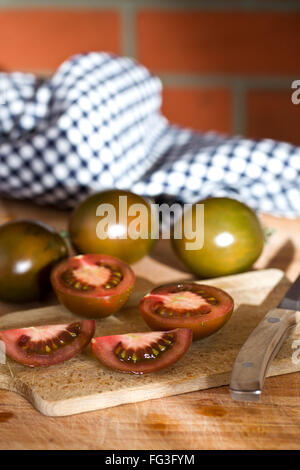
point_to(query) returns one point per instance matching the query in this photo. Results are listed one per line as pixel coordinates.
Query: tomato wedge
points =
(142, 353)
(47, 345)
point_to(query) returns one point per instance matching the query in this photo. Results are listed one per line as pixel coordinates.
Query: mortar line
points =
(216, 5)
(206, 81)
(128, 31)
(196, 80)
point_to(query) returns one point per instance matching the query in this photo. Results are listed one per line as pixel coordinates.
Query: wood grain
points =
(206, 419)
(83, 384)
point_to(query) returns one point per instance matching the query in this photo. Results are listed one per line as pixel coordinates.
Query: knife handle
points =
(256, 354)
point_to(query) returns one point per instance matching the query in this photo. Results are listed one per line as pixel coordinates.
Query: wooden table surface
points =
(206, 419)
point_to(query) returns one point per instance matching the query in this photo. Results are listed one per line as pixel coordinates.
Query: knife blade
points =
(255, 356)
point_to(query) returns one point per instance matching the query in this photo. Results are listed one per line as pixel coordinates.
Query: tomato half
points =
(94, 286)
(47, 345)
(142, 353)
(204, 309)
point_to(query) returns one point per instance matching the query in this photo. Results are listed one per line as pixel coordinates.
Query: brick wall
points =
(226, 65)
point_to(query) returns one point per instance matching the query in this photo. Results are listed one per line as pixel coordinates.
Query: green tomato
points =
(92, 232)
(28, 251)
(233, 238)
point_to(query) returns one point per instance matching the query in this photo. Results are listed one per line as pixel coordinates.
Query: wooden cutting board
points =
(83, 384)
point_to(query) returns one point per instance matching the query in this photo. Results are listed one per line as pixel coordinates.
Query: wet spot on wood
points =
(214, 411)
(156, 422)
(5, 416)
(254, 430)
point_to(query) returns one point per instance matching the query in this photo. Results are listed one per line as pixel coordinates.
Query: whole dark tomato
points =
(204, 309)
(113, 222)
(93, 286)
(28, 251)
(41, 346)
(233, 238)
(142, 353)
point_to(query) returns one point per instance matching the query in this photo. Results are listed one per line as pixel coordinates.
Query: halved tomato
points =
(202, 308)
(142, 353)
(47, 345)
(93, 286)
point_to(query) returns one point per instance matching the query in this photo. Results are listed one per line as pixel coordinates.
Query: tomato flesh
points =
(41, 346)
(142, 353)
(202, 308)
(94, 286)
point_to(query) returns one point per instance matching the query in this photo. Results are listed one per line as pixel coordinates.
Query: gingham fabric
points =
(97, 124)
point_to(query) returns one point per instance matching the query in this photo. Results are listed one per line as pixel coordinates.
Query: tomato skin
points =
(10, 338)
(93, 307)
(219, 256)
(103, 347)
(99, 305)
(83, 228)
(201, 326)
(28, 250)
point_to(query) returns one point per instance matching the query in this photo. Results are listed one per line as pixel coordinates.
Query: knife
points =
(257, 353)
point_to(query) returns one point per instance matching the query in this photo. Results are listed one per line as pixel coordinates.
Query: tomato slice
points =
(142, 353)
(47, 345)
(204, 309)
(91, 285)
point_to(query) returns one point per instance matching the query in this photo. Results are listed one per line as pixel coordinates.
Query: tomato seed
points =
(69, 278)
(23, 341)
(48, 346)
(148, 353)
(161, 309)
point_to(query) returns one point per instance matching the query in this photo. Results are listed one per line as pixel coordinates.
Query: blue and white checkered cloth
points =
(97, 124)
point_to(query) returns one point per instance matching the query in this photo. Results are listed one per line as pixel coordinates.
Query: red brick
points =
(220, 41)
(201, 109)
(42, 39)
(271, 113)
